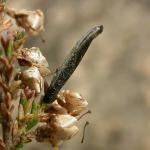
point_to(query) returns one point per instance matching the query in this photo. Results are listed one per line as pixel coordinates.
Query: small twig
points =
(64, 72)
(87, 123)
(7, 127)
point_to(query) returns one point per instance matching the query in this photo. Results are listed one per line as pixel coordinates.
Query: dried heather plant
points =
(29, 108)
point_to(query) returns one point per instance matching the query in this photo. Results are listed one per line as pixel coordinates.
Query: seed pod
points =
(72, 101)
(31, 21)
(32, 78)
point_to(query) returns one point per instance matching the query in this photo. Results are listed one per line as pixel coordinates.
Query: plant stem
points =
(7, 136)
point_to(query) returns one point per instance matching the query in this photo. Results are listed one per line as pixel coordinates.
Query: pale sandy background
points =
(115, 74)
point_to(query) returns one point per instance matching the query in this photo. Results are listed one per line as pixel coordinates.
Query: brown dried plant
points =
(24, 113)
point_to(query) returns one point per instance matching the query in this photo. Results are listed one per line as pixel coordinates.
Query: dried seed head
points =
(31, 21)
(72, 101)
(46, 133)
(57, 130)
(55, 135)
(32, 78)
(63, 121)
(68, 133)
(62, 134)
(34, 57)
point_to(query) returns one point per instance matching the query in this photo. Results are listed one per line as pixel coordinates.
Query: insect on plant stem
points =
(64, 72)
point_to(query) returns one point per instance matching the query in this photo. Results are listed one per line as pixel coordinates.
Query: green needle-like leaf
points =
(31, 124)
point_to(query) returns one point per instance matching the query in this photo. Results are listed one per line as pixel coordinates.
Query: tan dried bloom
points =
(63, 121)
(59, 129)
(31, 21)
(72, 101)
(33, 57)
(32, 78)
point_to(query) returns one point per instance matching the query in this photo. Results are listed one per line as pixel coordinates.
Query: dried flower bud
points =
(32, 78)
(68, 133)
(58, 129)
(72, 101)
(34, 57)
(31, 21)
(63, 121)
(55, 135)
(63, 134)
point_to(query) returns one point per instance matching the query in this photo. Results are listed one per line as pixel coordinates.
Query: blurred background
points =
(114, 76)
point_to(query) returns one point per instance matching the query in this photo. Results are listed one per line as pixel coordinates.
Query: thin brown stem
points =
(87, 123)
